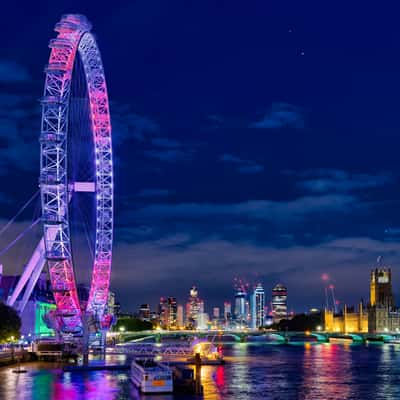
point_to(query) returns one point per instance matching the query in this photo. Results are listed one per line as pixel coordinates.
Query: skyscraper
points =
(179, 316)
(216, 312)
(144, 312)
(163, 312)
(279, 302)
(201, 306)
(227, 310)
(172, 313)
(258, 305)
(193, 308)
(240, 306)
(167, 311)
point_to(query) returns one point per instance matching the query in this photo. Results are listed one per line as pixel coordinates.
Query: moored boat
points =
(341, 339)
(151, 376)
(395, 340)
(210, 354)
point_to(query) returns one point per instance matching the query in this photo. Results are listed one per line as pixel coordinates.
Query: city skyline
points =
(259, 145)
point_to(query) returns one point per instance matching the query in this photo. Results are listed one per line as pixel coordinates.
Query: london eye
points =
(74, 54)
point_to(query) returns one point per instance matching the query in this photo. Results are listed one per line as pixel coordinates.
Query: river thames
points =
(252, 371)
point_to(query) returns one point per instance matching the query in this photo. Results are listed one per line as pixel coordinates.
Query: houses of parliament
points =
(379, 315)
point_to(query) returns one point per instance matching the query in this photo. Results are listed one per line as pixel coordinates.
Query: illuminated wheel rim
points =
(74, 39)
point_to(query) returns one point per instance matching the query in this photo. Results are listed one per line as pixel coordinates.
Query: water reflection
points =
(326, 370)
(253, 371)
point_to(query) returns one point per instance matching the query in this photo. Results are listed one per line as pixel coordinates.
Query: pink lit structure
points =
(74, 40)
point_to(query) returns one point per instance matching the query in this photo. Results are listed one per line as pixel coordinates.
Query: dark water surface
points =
(252, 371)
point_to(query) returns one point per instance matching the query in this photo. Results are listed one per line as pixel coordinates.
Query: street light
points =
(122, 329)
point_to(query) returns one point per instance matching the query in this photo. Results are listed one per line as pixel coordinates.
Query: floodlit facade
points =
(381, 293)
(350, 321)
(381, 314)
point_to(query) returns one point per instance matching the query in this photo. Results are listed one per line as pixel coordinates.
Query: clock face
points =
(383, 279)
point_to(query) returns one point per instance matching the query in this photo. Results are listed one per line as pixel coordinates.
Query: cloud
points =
(169, 150)
(212, 264)
(294, 210)
(281, 115)
(231, 159)
(155, 193)
(127, 124)
(166, 142)
(215, 120)
(170, 155)
(19, 119)
(333, 180)
(243, 166)
(12, 72)
(251, 169)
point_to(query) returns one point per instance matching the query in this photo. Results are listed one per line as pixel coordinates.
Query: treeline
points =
(300, 323)
(10, 323)
(132, 324)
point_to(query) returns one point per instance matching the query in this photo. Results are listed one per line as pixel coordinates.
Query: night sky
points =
(252, 139)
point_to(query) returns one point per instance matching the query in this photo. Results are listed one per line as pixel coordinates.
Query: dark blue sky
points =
(257, 140)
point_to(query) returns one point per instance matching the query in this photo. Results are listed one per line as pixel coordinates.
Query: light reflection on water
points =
(253, 371)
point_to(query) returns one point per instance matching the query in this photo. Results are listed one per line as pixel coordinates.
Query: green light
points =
(42, 309)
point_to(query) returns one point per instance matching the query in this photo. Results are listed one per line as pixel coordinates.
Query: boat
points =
(375, 339)
(150, 376)
(210, 354)
(394, 340)
(341, 339)
(184, 381)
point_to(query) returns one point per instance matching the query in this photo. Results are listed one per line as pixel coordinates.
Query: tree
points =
(10, 323)
(300, 323)
(133, 324)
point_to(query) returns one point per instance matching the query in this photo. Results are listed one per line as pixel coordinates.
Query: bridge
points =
(149, 349)
(157, 336)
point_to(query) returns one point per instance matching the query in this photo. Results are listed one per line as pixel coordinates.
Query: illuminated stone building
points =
(381, 288)
(348, 322)
(381, 314)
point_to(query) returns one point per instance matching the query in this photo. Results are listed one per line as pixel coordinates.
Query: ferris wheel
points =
(75, 108)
